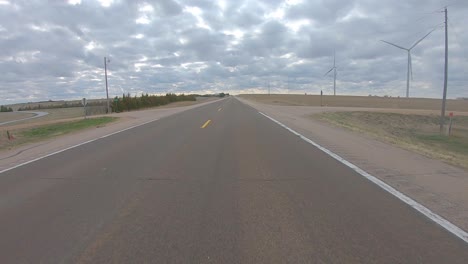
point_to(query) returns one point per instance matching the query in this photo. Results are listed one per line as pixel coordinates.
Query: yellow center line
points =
(220, 109)
(206, 124)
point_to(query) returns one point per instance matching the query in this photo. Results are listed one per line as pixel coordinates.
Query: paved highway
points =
(217, 184)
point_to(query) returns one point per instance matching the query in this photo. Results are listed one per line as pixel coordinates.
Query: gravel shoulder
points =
(433, 183)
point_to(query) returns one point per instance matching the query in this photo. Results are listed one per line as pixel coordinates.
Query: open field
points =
(457, 105)
(419, 133)
(51, 104)
(55, 115)
(41, 132)
(10, 116)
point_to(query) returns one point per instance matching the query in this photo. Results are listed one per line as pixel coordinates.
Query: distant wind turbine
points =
(334, 74)
(410, 66)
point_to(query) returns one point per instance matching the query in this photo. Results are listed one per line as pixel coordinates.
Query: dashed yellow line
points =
(206, 124)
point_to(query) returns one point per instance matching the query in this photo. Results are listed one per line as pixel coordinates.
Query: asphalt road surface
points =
(235, 189)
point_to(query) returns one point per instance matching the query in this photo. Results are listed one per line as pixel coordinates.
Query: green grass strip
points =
(52, 130)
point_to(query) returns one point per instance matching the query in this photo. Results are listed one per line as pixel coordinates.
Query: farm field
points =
(10, 116)
(52, 104)
(57, 114)
(455, 105)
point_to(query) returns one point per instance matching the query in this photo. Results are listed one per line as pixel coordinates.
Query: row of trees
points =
(212, 95)
(120, 104)
(62, 105)
(5, 109)
(128, 103)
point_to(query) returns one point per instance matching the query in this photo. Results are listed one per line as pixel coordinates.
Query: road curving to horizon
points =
(219, 183)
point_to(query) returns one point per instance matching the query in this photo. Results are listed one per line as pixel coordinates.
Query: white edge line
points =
(457, 231)
(74, 146)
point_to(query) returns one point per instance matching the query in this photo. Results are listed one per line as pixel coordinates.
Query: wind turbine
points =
(410, 66)
(334, 74)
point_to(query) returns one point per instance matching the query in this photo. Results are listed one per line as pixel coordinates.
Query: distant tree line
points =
(212, 95)
(63, 105)
(129, 103)
(5, 109)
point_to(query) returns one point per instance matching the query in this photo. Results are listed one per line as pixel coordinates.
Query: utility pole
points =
(444, 97)
(321, 95)
(107, 89)
(269, 88)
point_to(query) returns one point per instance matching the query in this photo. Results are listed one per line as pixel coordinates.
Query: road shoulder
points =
(436, 185)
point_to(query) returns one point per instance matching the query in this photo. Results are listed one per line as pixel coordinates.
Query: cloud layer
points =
(55, 49)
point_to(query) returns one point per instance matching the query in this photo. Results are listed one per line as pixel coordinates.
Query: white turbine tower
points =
(410, 66)
(334, 74)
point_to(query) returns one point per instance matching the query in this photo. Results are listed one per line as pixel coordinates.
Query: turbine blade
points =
(328, 71)
(400, 47)
(421, 39)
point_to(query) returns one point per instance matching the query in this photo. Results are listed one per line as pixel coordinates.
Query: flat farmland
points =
(51, 104)
(10, 116)
(58, 114)
(455, 105)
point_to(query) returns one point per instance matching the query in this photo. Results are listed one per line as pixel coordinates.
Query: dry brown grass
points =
(419, 133)
(10, 116)
(54, 115)
(457, 105)
(51, 104)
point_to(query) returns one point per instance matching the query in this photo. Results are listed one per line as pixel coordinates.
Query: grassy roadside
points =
(42, 132)
(419, 133)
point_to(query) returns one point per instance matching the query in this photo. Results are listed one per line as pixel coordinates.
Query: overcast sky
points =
(54, 49)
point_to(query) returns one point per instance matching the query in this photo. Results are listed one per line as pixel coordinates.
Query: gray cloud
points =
(55, 50)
